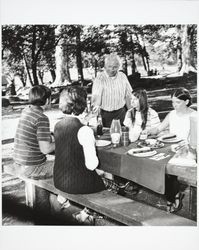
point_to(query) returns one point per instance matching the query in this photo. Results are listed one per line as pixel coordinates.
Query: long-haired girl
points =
(141, 116)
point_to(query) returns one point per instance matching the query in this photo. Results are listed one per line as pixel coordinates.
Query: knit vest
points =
(70, 172)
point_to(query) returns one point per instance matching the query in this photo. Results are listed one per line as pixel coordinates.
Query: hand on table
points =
(153, 131)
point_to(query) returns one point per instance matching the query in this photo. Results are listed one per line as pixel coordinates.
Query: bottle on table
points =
(125, 136)
(99, 125)
(115, 132)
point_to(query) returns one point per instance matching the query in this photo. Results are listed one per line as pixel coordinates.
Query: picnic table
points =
(143, 170)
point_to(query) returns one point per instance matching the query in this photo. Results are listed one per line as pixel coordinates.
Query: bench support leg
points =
(38, 200)
(30, 194)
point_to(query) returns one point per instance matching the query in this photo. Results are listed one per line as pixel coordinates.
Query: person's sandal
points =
(179, 197)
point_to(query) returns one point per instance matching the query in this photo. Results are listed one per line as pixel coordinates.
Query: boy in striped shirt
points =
(33, 138)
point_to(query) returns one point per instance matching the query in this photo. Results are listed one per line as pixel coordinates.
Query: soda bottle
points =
(99, 125)
(115, 132)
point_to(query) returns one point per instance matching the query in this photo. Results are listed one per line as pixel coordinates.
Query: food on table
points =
(169, 137)
(142, 152)
(153, 143)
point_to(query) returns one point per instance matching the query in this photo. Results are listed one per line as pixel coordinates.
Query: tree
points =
(62, 73)
(84, 43)
(188, 34)
(28, 44)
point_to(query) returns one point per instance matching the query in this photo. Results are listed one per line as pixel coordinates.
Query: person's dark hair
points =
(73, 100)
(39, 94)
(144, 107)
(182, 94)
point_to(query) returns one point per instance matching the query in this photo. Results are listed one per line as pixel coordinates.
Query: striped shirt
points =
(111, 93)
(33, 127)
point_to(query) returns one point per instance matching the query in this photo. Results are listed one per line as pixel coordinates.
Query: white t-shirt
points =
(135, 129)
(179, 125)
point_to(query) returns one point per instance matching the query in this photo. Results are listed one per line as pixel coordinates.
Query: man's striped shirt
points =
(111, 93)
(33, 127)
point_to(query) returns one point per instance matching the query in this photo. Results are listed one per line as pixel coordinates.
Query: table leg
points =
(192, 202)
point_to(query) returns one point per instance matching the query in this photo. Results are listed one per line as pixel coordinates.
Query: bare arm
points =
(44, 136)
(46, 147)
(128, 93)
(127, 120)
(163, 125)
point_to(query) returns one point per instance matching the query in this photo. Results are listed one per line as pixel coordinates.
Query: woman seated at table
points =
(178, 123)
(75, 152)
(140, 117)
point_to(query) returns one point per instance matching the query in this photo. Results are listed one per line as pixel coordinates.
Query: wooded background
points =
(29, 52)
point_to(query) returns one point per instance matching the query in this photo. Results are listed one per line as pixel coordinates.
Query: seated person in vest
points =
(75, 152)
(33, 138)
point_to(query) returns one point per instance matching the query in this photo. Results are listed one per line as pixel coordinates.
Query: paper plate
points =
(142, 152)
(172, 140)
(102, 143)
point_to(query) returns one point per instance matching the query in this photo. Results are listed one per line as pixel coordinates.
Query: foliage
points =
(30, 45)
(30, 49)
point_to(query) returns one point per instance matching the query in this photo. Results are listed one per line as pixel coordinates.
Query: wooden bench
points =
(118, 208)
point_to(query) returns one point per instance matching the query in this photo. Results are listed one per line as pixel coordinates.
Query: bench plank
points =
(116, 207)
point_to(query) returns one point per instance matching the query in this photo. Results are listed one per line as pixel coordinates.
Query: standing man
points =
(110, 92)
(33, 138)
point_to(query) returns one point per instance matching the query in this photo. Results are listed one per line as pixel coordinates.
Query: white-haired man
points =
(110, 92)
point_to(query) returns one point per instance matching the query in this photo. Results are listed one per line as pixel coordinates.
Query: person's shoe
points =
(84, 217)
(178, 202)
(170, 207)
(131, 189)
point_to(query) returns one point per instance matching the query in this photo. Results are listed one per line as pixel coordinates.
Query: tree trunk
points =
(133, 65)
(33, 57)
(142, 50)
(12, 88)
(34, 73)
(95, 66)
(179, 48)
(62, 69)
(79, 57)
(53, 74)
(41, 76)
(147, 63)
(144, 63)
(186, 51)
(192, 50)
(23, 76)
(65, 64)
(124, 66)
(28, 71)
